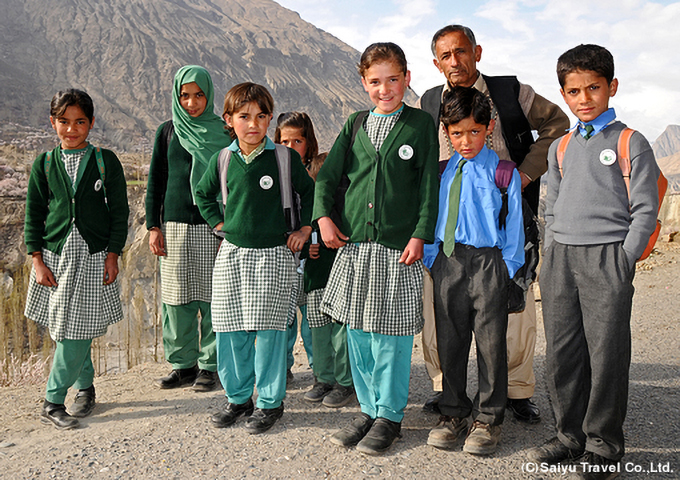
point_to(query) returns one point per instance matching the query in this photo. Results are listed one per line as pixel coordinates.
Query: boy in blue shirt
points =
(472, 261)
(595, 231)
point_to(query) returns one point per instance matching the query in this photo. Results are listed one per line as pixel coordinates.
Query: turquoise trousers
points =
(71, 367)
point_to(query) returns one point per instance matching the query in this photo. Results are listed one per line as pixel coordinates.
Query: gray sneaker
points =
(318, 392)
(339, 396)
(447, 432)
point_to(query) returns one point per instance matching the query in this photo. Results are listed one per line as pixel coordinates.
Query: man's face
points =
(457, 60)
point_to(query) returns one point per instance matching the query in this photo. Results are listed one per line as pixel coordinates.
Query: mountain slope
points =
(125, 54)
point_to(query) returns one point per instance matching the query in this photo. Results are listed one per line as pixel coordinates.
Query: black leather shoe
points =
(179, 378)
(592, 466)
(231, 412)
(432, 403)
(56, 414)
(553, 452)
(84, 403)
(205, 381)
(524, 410)
(353, 433)
(263, 419)
(380, 437)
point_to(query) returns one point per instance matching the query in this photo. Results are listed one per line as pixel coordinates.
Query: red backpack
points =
(623, 158)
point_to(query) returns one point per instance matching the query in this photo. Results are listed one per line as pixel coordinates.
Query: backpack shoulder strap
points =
(623, 156)
(503, 177)
(358, 122)
(222, 167)
(431, 102)
(562, 148)
(283, 162)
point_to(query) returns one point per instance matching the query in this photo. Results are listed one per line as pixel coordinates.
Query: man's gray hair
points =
(450, 29)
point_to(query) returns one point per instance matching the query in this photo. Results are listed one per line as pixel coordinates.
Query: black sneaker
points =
(432, 404)
(84, 403)
(318, 392)
(205, 381)
(263, 419)
(339, 396)
(524, 410)
(353, 433)
(231, 412)
(179, 378)
(56, 414)
(592, 466)
(553, 452)
(380, 437)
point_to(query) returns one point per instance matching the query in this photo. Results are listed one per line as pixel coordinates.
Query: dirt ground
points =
(140, 431)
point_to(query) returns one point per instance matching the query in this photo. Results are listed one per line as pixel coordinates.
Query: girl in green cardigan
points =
(75, 229)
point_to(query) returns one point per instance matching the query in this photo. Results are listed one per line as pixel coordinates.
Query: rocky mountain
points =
(668, 142)
(125, 54)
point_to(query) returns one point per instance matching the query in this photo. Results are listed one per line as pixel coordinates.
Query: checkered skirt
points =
(370, 290)
(187, 270)
(80, 307)
(254, 288)
(315, 317)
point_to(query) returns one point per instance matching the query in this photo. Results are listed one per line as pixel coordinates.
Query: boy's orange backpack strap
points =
(562, 148)
(624, 160)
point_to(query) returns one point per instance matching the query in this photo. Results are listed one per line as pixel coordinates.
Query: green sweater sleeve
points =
(37, 199)
(207, 191)
(119, 210)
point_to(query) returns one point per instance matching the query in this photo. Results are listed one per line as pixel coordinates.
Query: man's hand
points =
(330, 234)
(413, 251)
(157, 242)
(525, 179)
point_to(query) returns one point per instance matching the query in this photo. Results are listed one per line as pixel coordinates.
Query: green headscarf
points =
(201, 136)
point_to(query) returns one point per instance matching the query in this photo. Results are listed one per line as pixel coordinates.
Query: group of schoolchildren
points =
(378, 212)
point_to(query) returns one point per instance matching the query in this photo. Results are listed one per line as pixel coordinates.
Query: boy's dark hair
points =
(586, 57)
(315, 164)
(302, 121)
(460, 103)
(382, 52)
(244, 93)
(71, 98)
(451, 29)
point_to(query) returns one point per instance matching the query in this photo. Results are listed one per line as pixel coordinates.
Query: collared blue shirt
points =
(602, 121)
(480, 205)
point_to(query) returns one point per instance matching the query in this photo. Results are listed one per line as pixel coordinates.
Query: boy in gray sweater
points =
(595, 232)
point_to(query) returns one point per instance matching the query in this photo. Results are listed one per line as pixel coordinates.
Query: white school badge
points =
(405, 152)
(97, 185)
(266, 182)
(607, 156)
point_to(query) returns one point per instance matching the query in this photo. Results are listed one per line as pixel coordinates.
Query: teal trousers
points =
(188, 340)
(71, 367)
(248, 359)
(381, 370)
(306, 335)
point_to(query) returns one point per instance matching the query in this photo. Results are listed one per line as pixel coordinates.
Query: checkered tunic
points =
(315, 317)
(80, 307)
(253, 288)
(370, 290)
(378, 127)
(187, 271)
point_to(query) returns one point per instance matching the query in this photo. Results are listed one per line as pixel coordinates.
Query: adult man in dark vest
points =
(518, 111)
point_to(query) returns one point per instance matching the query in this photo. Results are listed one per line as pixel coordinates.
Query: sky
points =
(525, 38)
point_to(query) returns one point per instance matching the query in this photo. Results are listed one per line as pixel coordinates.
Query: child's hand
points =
(330, 234)
(43, 275)
(314, 251)
(413, 251)
(110, 268)
(157, 242)
(297, 239)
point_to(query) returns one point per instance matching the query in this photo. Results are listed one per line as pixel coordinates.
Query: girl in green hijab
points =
(179, 235)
